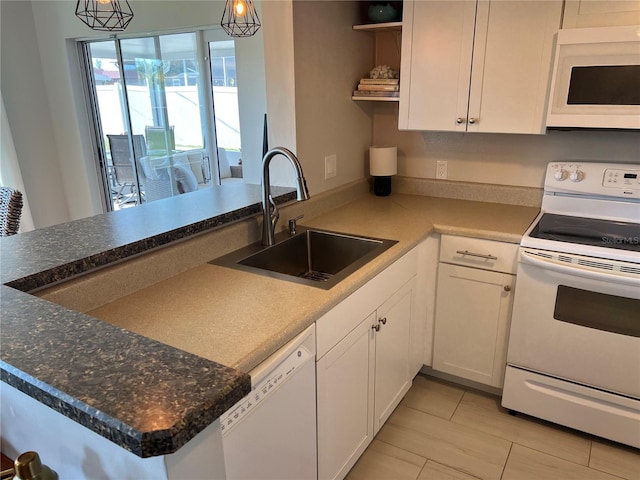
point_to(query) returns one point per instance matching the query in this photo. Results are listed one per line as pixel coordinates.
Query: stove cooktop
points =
(588, 231)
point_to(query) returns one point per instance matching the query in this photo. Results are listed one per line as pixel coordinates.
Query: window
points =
(152, 102)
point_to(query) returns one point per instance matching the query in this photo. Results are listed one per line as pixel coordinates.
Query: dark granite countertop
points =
(148, 397)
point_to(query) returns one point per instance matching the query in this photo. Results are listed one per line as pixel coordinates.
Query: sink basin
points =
(313, 257)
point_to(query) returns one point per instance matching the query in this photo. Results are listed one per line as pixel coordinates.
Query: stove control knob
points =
(576, 176)
(560, 175)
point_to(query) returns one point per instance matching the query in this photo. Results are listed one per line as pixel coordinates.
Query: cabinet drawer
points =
(479, 253)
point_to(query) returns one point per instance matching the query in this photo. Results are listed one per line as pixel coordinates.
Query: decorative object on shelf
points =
(384, 71)
(380, 12)
(105, 15)
(240, 18)
(383, 163)
(382, 82)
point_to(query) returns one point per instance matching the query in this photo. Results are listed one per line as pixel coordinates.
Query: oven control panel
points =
(614, 177)
(609, 179)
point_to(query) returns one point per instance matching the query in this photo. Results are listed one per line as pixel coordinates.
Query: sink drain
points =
(315, 276)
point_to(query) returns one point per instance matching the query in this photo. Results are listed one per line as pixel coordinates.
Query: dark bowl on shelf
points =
(382, 12)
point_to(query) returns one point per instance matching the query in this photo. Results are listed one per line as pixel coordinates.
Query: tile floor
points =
(444, 431)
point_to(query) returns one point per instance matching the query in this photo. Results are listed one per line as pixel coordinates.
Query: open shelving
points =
(375, 28)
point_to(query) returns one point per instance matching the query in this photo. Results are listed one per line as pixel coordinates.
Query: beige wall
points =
(329, 58)
(502, 159)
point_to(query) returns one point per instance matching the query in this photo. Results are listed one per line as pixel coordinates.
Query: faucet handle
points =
(293, 225)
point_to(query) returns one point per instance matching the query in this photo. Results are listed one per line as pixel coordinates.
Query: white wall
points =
(30, 119)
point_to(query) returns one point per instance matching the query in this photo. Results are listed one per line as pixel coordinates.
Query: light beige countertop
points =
(238, 318)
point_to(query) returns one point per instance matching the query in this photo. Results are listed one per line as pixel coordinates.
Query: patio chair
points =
(123, 164)
(157, 140)
(10, 211)
(166, 176)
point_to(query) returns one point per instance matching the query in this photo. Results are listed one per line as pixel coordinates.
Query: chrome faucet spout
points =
(270, 214)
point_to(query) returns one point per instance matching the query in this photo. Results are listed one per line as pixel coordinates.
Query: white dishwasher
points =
(271, 433)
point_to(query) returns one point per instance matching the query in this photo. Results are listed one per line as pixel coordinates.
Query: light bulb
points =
(240, 8)
(104, 2)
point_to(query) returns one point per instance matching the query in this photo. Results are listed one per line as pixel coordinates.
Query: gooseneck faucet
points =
(270, 214)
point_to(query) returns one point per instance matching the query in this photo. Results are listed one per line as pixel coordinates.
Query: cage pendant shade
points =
(240, 18)
(105, 15)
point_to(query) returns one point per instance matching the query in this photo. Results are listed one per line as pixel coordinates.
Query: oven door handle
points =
(580, 270)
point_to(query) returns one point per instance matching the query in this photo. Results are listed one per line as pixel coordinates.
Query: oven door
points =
(578, 321)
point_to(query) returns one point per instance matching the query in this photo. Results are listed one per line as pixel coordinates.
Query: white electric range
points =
(574, 345)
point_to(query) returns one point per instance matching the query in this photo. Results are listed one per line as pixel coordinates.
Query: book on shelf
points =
(375, 93)
(379, 81)
(379, 88)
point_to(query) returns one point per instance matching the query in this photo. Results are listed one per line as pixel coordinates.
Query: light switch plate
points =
(330, 166)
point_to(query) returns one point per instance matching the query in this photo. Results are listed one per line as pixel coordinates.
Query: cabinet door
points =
(345, 401)
(392, 353)
(473, 310)
(437, 43)
(511, 66)
(600, 13)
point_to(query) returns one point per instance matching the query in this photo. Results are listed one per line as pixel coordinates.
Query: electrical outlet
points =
(330, 166)
(441, 169)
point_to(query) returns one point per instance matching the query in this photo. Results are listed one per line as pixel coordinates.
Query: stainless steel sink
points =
(318, 258)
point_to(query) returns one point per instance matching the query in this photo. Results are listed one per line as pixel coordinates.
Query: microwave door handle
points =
(579, 270)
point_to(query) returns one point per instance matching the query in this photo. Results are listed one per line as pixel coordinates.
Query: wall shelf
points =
(387, 30)
(375, 99)
(378, 27)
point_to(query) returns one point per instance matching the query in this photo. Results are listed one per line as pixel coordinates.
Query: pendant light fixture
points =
(240, 18)
(105, 15)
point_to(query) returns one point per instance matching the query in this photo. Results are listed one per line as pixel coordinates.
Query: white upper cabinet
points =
(477, 66)
(600, 13)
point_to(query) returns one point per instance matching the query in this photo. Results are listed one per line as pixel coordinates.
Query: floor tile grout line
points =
(452, 468)
(465, 391)
(504, 467)
(548, 424)
(458, 404)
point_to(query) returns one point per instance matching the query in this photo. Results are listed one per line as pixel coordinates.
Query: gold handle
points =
(28, 467)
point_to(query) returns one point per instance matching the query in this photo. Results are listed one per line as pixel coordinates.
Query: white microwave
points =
(596, 79)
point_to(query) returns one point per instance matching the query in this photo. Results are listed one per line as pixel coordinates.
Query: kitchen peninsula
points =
(149, 381)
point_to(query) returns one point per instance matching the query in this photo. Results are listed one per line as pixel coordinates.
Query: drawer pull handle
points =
(479, 255)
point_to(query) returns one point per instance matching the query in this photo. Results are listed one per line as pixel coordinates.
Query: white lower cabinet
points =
(345, 401)
(392, 377)
(473, 308)
(364, 365)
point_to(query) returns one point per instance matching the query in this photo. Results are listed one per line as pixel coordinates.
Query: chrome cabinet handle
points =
(472, 121)
(479, 255)
(460, 120)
